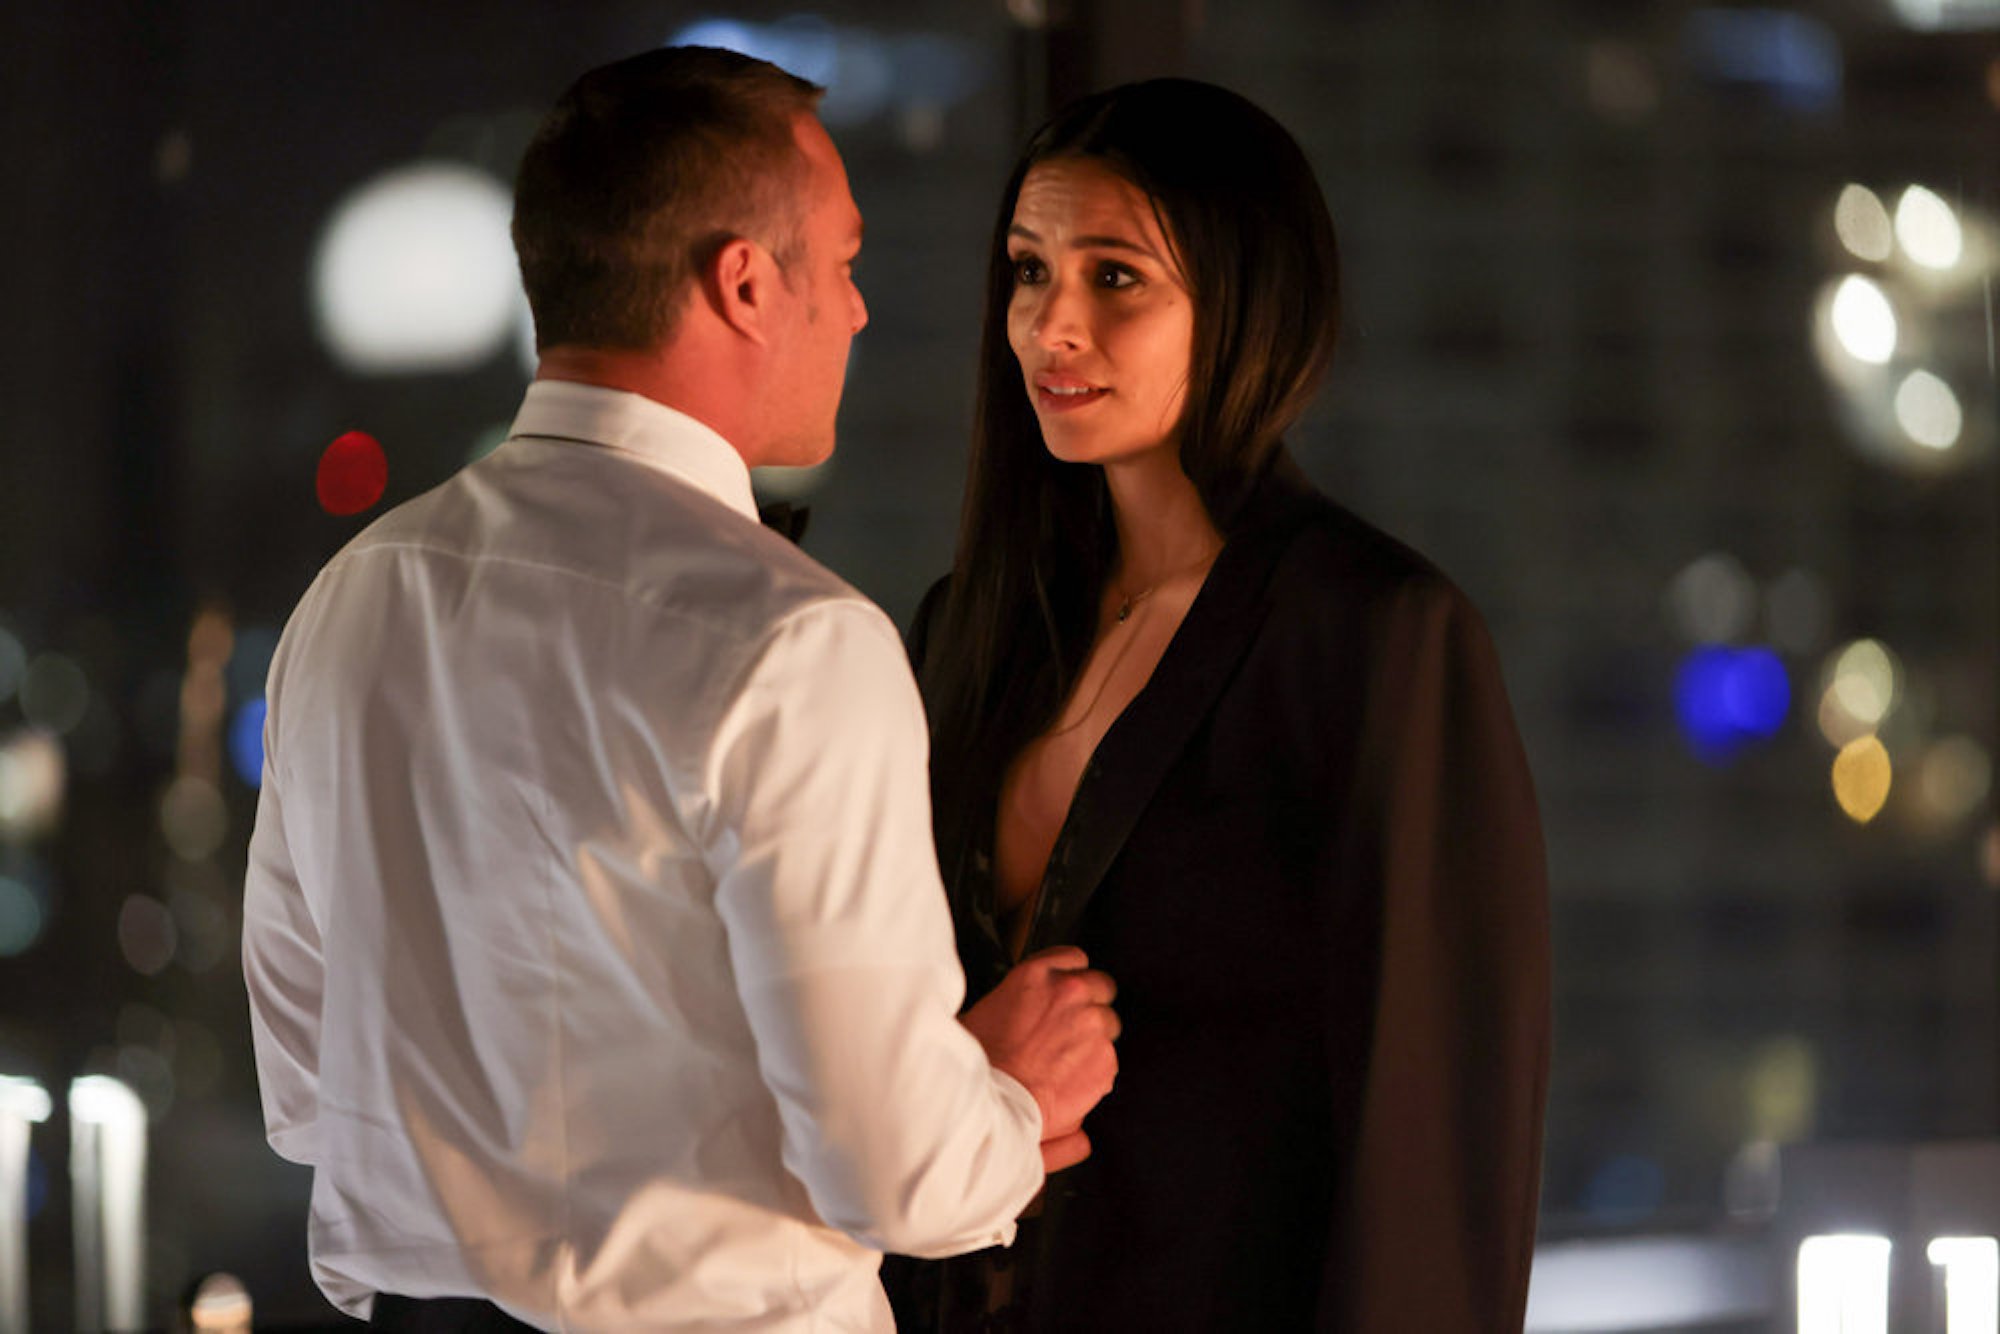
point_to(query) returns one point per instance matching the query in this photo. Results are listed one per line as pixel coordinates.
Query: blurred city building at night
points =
(1669, 333)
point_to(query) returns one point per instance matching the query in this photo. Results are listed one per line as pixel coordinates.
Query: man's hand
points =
(1050, 1025)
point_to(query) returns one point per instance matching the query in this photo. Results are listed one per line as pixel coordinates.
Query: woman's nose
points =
(1059, 319)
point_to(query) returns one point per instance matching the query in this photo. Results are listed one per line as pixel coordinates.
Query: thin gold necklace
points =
(1127, 601)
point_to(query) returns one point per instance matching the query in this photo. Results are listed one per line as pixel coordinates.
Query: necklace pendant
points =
(1124, 610)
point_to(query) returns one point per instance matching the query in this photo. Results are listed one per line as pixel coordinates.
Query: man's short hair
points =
(640, 173)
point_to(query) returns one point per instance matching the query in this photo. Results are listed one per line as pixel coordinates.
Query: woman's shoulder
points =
(1334, 559)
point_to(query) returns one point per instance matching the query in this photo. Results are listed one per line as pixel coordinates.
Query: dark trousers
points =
(442, 1315)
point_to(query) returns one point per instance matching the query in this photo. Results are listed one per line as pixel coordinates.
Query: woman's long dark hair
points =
(1243, 213)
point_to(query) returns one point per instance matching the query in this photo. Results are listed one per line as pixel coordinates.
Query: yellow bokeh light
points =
(1861, 777)
(1782, 1087)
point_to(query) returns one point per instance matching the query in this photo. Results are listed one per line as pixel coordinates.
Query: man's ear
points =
(741, 282)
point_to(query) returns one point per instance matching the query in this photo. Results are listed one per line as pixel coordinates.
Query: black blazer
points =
(1308, 853)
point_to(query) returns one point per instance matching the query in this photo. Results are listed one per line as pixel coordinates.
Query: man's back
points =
(533, 740)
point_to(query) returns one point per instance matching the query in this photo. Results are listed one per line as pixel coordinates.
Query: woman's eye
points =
(1027, 271)
(1115, 276)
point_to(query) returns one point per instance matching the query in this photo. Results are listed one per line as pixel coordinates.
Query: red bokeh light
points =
(353, 473)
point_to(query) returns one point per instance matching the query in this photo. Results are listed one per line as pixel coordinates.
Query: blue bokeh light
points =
(1727, 698)
(803, 44)
(246, 742)
(1790, 58)
(865, 72)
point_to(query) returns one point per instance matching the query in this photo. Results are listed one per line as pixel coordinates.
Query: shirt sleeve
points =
(903, 1135)
(1435, 1226)
(284, 972)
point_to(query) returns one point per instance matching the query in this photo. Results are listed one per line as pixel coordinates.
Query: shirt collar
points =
(672, 441)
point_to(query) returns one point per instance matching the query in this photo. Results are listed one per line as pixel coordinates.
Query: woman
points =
(1250, 754)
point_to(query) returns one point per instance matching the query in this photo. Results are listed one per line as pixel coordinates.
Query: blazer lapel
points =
(1148, 737)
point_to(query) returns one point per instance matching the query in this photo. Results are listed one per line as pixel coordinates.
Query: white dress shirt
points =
(597, 956)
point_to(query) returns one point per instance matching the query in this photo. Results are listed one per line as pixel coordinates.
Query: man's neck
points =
(661, 376)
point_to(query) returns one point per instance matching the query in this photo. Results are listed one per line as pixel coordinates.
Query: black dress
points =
(1308, 853)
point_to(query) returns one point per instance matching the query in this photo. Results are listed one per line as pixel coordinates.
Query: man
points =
(597, 957)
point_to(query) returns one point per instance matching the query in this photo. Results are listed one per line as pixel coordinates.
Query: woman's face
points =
(1100, 319)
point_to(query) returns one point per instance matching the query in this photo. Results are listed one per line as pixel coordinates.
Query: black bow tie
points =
(785, 519)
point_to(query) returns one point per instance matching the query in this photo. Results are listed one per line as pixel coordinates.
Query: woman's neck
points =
(1163, 527)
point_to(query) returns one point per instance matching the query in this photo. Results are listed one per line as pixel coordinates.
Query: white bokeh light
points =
(1928, 411)
(415, 271)
(1864, 321)
(1863, 224)
(1844, 1285)
(1928, 229)
(1867, 679)
(1971, 1268)
(1713, 600)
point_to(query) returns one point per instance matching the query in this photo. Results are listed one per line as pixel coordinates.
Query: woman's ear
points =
(741, 282)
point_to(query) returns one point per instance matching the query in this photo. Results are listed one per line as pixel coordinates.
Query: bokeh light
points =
(146, 934)
(24, 1099)
(1836, 724)
(1861, 778)
(220, 1305)
(1843, 1283)
(866, 74)
(352, 474)
(193, 817)
(1989, 855)
(864, 78)
(1782, 1090)
(55, 694)
(1863, 682)
(1953, 778)
(22, 917)
(415, 271)
(1864, 321)
(1928, 411)
(1713, 600)
(1928, 229)
(1727, 698)
(1619, 78)
(1751, 1184)
(246, 742)
(1789, 57)
(1971, 1273)
(1862, 223)
(33, 777)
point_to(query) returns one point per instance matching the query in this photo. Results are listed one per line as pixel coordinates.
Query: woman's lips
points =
(1065, 393)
